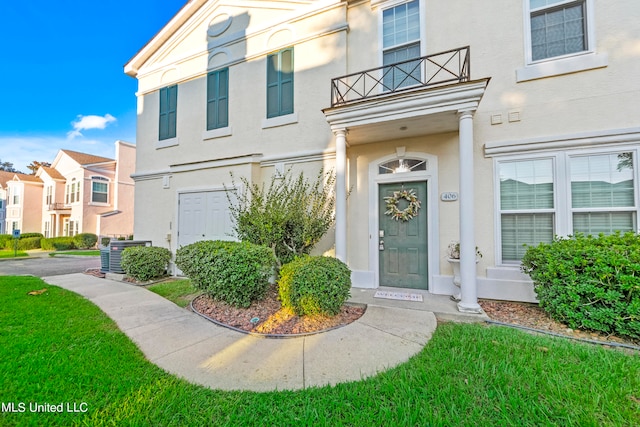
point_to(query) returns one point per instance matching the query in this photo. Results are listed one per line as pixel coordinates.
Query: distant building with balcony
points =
(78, 193)
(511, 122)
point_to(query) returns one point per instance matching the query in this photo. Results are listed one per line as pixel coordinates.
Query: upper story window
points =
(168, 112)
(15, 195)
(280, 83)
(72, 192)
(99, 189)
(559, 39)
(48, 195)
(558, 27)
(218, 99)
(401, 42)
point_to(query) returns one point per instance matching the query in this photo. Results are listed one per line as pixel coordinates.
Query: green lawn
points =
(180, 292)
(59, 348)
(6, 253)
(86, 252)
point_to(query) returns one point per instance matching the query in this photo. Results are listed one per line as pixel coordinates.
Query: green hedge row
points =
(27, 241)
(234, 272)
(589, 282)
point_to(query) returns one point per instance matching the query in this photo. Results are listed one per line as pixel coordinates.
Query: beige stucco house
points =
(78, 193)
(84, 193)
(511, 122)
(23, 210)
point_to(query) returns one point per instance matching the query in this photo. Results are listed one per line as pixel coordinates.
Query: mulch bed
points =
(268, 317)
(532, 316)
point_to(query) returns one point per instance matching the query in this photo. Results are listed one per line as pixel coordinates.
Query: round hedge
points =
(314, 285)
(234, 272)
(145, 262)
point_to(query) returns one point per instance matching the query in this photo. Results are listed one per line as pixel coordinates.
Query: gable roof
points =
(86, 159)
(24, 177)
(133, 65)
(53, 173)
(190, 9)
(4, 177)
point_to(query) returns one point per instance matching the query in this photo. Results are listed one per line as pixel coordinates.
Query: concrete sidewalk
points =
(201, 352)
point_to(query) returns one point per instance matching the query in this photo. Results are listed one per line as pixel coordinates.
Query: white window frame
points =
(579, 61)
(101, 180)
(563, 210)
(49, 195)
(384, 5)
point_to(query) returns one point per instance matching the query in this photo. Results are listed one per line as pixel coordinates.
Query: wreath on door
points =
(409, 212)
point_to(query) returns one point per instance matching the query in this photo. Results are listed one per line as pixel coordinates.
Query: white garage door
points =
(204, 216)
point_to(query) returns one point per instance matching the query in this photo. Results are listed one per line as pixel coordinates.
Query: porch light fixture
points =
(402, 167)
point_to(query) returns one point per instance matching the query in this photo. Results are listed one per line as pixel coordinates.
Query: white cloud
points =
(21, 150)
(89, 122)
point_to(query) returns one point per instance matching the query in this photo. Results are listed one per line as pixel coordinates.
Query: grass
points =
(87, 252)
(180, 292)
(6, 253)
(59, 348)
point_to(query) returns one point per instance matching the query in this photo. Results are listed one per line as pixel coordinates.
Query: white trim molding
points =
(430, 176)
(563, 142)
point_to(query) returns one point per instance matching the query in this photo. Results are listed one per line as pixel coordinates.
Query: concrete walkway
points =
(193, 348)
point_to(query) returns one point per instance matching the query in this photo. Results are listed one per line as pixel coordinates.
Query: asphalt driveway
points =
(47, 266)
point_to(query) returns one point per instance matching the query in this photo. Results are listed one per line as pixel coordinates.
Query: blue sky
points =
(63, 85)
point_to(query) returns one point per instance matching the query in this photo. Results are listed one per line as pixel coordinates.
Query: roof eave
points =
(132, 67)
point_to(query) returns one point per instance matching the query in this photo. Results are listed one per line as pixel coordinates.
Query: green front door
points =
(403, 244)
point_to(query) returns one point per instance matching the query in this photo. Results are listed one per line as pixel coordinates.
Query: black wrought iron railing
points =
(451, 66)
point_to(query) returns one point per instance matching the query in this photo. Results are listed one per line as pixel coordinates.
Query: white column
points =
(341, 195)
(468, 285)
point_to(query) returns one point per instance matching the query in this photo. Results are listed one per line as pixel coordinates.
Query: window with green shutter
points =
(218, 99)
(168, 112)
(280, 83)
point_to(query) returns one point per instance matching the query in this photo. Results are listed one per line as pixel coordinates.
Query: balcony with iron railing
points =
(58, 207)
(438, 69)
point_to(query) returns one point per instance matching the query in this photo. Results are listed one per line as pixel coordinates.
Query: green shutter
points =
(218, 99)
(168, 112)
(280, 83)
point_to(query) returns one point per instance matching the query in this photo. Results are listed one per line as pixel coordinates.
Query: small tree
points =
(290, 216)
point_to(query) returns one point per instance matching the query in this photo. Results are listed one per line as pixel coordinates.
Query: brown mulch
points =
(531, 316)
(268, 317)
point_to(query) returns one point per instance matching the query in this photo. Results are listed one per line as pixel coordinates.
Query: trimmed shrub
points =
(29, 243)
(6, 241)
(234, 272)
(30, 235)
(589, 282)
(85, 240)
(63, 243)
(145, 262)
(314, 285)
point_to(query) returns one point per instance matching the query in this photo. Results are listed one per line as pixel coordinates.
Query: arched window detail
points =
(402, 165)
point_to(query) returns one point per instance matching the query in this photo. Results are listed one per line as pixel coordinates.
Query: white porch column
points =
(468, 285)
(341, 194)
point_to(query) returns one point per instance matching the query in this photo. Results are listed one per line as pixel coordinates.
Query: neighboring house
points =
(4, 178)
(78, 193)
(511, 121)
(23, 210)
(84, 193)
